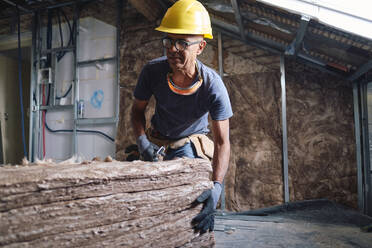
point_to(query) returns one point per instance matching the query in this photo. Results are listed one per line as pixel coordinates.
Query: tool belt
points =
(203, 145)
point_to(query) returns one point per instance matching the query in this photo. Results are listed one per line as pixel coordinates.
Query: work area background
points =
(320, 122)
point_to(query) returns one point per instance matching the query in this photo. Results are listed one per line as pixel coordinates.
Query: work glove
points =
(149, 151)
(132, 152)
(204, 221)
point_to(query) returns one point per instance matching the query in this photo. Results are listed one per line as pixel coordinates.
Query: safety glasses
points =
(180, 45)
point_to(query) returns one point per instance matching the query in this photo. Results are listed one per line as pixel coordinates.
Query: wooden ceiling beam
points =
(16, 5)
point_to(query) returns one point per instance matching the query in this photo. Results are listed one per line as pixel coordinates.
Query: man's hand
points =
(149, 151)
(204, 221)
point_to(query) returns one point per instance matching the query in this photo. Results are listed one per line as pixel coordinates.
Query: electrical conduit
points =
(20, 84)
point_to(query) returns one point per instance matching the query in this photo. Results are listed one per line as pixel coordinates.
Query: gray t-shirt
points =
(177, 116)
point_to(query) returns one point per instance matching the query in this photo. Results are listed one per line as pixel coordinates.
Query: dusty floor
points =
(307, 226)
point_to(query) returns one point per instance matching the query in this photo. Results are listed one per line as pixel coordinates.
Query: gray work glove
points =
(149, 151)
(204, 221)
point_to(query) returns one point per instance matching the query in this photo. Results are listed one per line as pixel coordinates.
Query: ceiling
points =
(249, 23)
(8, 7)
(278, 31)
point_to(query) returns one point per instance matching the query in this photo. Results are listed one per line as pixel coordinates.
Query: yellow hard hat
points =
(187, 17)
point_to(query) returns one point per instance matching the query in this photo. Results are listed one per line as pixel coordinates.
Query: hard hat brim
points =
(181, 31)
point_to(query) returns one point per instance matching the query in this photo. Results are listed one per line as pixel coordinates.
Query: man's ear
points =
(202, 45)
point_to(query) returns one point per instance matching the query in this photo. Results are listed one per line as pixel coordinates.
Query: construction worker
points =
(186, 92)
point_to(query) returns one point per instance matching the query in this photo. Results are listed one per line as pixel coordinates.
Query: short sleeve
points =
(220, 102)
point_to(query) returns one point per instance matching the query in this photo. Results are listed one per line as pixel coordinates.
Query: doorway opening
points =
(11, 124)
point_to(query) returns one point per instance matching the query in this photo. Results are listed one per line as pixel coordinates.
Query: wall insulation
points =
(103, 204)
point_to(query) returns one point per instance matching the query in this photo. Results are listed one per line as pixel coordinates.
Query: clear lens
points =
(181, 45)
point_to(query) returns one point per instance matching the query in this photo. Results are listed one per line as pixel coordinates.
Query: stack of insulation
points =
(96, 204)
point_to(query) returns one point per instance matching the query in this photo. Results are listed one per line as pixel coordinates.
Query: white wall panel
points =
(97, 87)
(96, 145)
(58, 145)
(99, 98)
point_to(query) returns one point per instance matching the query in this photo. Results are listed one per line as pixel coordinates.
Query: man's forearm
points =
(138, 117)
(138, 124)
(220, 161)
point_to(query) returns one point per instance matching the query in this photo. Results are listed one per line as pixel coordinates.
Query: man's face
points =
(183, 59)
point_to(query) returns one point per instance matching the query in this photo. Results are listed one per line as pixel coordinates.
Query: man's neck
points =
(184, 78)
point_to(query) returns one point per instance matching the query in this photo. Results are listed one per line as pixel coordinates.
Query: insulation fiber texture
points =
(99, 204)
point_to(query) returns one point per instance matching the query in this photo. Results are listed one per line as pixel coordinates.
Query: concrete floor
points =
(328, 225)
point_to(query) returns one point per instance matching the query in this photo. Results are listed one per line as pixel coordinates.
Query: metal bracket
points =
(293, 48)
(362, 69)
(35, 108)
(45, 76)
(238, 18)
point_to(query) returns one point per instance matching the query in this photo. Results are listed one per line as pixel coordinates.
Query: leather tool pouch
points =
(203, 145)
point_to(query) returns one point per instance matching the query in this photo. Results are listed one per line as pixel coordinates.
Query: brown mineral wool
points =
(321, 139)
(25, 161)
(321, 142)
(108, 159)
(96, 159)
(131, 204)
(254, 175)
